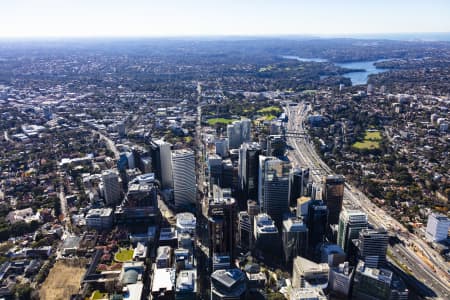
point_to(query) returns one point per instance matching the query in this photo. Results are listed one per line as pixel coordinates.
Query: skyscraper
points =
(294, 238)
(111, 187)
(238, 132)
(184, 179)
(437, 227)
(276, 145)
(222, 226)
(377, 283)
(351, 222)
(214, 163)
(340, 280)
(162, 162)
(266, 234)
(333, 196)
(248, 169)
(298, 180)
(373, 246)
(302, 206)
(140, 205)
(246, 220)
(317, 223)
(273, 187)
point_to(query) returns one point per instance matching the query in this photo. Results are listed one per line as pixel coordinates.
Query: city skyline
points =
(22, 19)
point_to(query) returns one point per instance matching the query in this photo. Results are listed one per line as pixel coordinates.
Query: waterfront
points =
(357, 77)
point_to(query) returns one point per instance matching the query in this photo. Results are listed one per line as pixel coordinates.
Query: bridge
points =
(295, 134)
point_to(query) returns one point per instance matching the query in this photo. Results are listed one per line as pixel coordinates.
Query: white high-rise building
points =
(238, 132)
(165, 156)
(273, 187)
(184, 180)
(437, 227)
(111, 187)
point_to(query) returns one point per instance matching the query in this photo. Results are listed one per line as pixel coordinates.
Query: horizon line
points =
(243, 35)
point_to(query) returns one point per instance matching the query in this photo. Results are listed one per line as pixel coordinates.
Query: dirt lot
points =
(62, 281)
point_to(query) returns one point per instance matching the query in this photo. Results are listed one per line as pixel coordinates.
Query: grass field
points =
(269, 117)
(270, 110)
(370, 145)
(372, 136)
(371, 141)
(124, 255)
(98, 295)
(214, 121)
(62, 281)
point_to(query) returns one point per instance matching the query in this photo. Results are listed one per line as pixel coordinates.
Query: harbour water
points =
(357, 78)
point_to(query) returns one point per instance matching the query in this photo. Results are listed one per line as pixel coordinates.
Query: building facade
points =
(184, 179)
(333, 196)
(273, 187)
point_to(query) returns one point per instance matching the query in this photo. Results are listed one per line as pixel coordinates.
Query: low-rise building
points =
(100, 218)
(228, 284)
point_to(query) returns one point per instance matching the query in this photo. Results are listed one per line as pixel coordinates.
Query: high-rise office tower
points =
(351, 222)
(111, 187)
(266, 234)
(302, 206)
(295, 183)
(377, 283)
(238, 132)
(437, 227)
(140, 205)
(184, 179)
(276, 145)
(222, 212)
(221, 147)
(214, 163)
(372, 246)
(228, 174)
(340, 280)
(294, 238)
(248, 169)
(246, 220)
(298, 181)
(162, 162)
(273, 187)
(333, 196)
(317, 223)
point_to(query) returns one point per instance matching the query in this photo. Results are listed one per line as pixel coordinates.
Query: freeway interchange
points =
(428, 271)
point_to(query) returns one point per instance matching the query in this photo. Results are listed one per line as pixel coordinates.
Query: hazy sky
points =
(34, 18)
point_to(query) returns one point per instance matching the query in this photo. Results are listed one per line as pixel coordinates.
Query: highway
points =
(426, 265)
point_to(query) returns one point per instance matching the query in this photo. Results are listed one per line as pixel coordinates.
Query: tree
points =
(275, 296)
(23, 291)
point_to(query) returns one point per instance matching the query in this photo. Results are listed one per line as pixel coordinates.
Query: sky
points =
(138, 18)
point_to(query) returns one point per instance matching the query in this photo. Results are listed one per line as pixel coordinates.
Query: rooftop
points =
(186, 281)
(163, 280)
(228, 278)
(99, 212)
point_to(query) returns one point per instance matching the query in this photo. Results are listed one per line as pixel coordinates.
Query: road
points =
(306, 156)
(64, 210)
(5, 133)
(109, 143)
